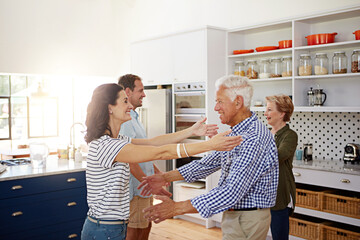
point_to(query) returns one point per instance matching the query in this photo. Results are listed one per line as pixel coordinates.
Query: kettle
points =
(318, 97)
(308, 150)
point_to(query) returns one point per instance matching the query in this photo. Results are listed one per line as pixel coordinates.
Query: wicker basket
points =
(334, 233)
(308, 199)
(342, 205)
(304, 228)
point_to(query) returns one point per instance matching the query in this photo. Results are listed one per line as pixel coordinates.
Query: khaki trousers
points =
(246, 224)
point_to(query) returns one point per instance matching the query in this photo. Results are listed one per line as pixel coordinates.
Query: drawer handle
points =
(16, 187)
(70, 204)
(74, 235)
(15, 214)
(296, 174)
(345, 180)
(71, 180)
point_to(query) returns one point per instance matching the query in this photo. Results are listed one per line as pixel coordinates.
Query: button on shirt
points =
(134, 129)
(249, 172)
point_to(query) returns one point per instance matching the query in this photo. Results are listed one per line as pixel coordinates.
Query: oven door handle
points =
(192, 93)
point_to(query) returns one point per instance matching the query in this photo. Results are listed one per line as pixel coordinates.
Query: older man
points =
(249, 173)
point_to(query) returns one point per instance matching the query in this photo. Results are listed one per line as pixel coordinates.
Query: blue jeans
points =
(280, 224)
(98, 231)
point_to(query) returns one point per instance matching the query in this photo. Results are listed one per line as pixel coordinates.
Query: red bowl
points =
(285, 44)
(357, 34)
(321, 38)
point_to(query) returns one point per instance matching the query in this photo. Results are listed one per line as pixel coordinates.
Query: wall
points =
(329, 132)
(92, 37)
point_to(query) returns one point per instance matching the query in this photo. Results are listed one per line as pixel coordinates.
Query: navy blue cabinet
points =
(46, 207)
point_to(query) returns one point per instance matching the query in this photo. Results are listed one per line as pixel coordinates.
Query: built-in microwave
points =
(189, 98)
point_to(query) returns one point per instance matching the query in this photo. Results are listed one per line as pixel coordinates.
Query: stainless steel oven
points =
(189, 98)
(189, 105)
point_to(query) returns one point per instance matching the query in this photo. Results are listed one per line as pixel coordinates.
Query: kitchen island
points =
(47, 203)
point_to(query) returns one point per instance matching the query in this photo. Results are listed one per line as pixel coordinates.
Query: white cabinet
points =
(177, 58)
(152, 61)
(189, 57)
(331, 180)
(341, 89)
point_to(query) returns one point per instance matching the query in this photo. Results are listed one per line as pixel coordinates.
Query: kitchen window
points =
(26, 111)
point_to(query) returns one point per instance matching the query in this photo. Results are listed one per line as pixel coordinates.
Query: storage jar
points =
(355, 59)
(305, 67)
(265, 68)
(252, 71)
(239, 68)
(339, 63)
(275, 67)
(321, 64)
(286, 66)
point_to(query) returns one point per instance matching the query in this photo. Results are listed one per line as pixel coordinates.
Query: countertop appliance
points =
(308, 151)
(155, 115)
(352, 153)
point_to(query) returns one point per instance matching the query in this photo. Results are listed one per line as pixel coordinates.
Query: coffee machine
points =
(308, 151)
(352, 153)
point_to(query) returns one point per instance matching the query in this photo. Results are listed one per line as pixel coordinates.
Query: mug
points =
(299, 154)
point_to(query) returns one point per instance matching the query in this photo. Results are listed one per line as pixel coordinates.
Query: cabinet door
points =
(151, 60)
(29, 186)
(189, 56)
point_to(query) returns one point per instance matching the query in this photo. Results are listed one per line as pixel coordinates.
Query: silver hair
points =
(236, 86)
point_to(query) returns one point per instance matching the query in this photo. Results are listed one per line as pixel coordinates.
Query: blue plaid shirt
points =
(249, 172)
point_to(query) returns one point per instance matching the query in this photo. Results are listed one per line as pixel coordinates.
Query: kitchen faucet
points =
(72, 146)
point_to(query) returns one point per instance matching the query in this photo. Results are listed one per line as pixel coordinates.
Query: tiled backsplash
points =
(329, 132)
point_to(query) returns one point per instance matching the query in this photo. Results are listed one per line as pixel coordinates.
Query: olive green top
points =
(286, 142)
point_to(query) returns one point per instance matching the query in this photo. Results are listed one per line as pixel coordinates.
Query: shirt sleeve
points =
(198, 169)
(109, 149)
(244, 169)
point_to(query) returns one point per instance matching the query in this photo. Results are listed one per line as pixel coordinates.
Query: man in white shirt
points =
(138, 227)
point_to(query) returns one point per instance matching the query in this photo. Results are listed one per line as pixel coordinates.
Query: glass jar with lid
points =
(355, 59)
(286, 66)
(252, 71)
(321, 64)
(265, 68)
(275, 67)
(339, 63)
(239, 68)
(305, 67)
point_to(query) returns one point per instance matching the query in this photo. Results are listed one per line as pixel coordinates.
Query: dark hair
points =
(128, 81)
(97, 118)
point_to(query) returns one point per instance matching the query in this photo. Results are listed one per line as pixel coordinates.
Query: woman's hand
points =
(202, 129)
(221, 142)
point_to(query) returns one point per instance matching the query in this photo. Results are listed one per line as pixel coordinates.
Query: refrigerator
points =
(155, 115)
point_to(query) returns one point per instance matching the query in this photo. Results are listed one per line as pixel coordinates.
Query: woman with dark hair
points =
(107, 173)
(279, 109)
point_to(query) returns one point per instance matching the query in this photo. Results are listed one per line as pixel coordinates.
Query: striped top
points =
(107, 182)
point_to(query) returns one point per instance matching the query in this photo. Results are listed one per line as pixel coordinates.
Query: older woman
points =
(279, 109)
(107, 173)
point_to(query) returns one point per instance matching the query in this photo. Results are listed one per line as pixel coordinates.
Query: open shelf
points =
(264, 53)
